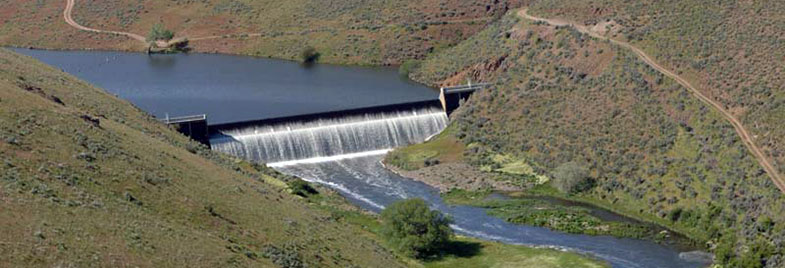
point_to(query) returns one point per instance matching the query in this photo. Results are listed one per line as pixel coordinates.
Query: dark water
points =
(233, 88)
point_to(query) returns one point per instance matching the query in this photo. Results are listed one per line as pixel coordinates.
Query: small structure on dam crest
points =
(451, 97)
(193, 126)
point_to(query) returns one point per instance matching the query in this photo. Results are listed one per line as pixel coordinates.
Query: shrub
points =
(158, 32)
(301, 188)
(309, 55)
(572, 178)
(287, 257)
(415, 230)
(675, 214)
(407, 67)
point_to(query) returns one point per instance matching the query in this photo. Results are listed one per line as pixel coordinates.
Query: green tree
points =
(571, 178)
(158, 32)
(414, 229)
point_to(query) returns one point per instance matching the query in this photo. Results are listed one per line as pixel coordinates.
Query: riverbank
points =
(191, 50)
(531, 202)
(461, 251)
(528, 208)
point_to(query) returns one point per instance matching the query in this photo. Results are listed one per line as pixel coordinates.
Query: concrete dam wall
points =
(331, 135)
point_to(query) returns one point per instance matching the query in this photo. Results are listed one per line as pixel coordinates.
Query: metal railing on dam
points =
(193, 126)
(181, 119)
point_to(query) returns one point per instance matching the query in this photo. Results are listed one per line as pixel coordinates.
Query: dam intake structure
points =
(330, 136)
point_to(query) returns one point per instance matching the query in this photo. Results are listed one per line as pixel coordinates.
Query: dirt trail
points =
(69, 7)
(767, 165)
(162, 44)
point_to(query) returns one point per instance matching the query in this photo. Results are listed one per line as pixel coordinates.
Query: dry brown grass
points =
(344, 31)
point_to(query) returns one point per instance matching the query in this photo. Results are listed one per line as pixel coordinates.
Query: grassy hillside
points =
(342, 31)
(88, 179)
(655, 151)
(733, 50)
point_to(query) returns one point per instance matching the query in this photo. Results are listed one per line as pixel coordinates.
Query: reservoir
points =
(343, 153)
(233, 88)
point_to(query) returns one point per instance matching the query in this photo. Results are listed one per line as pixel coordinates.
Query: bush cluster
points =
(414, 229)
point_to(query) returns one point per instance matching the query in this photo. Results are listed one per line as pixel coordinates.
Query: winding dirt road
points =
(767, 165)
(69, 7)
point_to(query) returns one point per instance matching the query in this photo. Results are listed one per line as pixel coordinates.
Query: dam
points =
(320, 136)
(329, 125)
(297, 132)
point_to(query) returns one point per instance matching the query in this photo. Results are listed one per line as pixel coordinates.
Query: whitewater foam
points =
(323, 159)
(328, 139)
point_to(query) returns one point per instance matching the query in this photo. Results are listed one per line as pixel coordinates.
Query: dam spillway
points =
(330, 136)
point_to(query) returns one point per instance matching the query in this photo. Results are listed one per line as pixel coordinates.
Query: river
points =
(235, 88)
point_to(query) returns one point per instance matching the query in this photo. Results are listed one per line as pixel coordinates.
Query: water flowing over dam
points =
(324, 138)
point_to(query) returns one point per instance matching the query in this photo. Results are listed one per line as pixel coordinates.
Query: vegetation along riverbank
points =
(648, 147)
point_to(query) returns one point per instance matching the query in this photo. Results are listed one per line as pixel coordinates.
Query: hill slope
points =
(733, 51)
(343, 31)
(655, 151)
(88, 179)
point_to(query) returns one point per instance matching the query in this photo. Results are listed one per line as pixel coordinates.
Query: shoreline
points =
(213, 52)
(431, 176)
(699, 246)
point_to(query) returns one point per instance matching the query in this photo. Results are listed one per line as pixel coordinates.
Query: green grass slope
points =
(655, 151)
(87, 179)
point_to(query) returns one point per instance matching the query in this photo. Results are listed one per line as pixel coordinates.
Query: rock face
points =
(479, 72)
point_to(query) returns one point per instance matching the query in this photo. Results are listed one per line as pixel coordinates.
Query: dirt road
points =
(68, 19)
(764, 161)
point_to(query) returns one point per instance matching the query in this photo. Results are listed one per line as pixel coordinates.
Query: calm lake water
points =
(235, 88)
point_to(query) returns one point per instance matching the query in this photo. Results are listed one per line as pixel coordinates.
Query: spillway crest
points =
(326, 138)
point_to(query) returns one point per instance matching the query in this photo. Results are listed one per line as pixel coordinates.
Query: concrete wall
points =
(196, 130)
(451, 99)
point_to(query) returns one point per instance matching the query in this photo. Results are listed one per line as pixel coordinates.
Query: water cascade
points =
(329, 139)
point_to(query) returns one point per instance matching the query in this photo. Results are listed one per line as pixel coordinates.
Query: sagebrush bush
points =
(414, 229)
